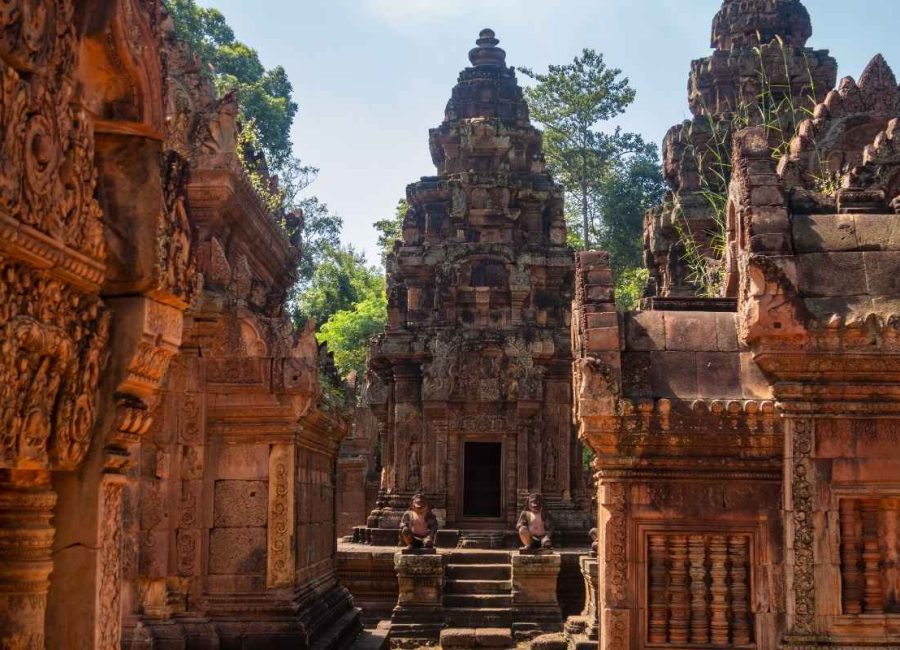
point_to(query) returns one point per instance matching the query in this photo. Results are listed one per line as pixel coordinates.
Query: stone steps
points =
(479, 572)
(476, 638)
(478, 600)
(373, 638)
(482, 539)
(478, 617)
(342, 632)
(476, 557)
(478, 592)
(460, 586)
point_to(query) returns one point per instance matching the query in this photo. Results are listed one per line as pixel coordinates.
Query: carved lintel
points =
(281, 557)
(160, 328)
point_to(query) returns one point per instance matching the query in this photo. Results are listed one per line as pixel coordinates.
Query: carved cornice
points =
(29, 245)
(222, 202)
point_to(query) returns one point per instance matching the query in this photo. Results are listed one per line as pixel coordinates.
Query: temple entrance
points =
(483, 478)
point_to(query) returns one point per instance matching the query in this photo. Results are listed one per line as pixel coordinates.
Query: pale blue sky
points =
(372, 76)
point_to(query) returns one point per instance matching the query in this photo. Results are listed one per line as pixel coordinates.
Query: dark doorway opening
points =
(482, 480)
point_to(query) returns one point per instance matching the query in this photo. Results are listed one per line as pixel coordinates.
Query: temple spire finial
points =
(747, 23)
(487, 52)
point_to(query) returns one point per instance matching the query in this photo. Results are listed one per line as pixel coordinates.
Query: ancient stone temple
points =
(760, 71)
(475, 395)
(746, 444)
(166, 467)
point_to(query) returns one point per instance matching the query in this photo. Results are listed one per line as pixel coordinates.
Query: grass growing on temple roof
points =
(773, 108)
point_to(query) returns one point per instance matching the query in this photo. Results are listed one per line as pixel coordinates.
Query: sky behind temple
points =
(372, 76)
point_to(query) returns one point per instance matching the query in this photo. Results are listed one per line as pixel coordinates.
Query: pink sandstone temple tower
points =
(472, 378)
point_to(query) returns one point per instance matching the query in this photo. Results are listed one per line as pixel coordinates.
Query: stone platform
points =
(368, 572)
(478, 591)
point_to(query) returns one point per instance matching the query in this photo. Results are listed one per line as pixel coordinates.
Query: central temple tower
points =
(471, 380)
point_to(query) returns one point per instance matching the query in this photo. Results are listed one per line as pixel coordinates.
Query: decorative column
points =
(26, 540)
(419, 613)
(850, 557)
(534, 579)
(679, 604)
(873, 594)
(718, 550)
(658, 592)
(738, 554)
(699, 609)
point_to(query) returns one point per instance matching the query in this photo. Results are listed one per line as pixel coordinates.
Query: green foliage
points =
(630, 285)
(587, 459)
(321, 237)
(572, 102)
(267, 113)
(627, 191)
(390, 230)
(348, 331)
(265, 95)
(340, 280)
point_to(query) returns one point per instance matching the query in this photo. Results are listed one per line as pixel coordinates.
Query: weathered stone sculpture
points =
(535, 526)
(473, 370)
(419, 526)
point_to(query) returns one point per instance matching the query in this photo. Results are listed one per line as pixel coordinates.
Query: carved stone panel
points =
(280, 568)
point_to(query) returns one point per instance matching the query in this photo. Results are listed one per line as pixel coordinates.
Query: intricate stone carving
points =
(802, 485)
(281, 550)
(53, 345)
(478, 310)
(48, 149)
(109, 586)
(177, 270)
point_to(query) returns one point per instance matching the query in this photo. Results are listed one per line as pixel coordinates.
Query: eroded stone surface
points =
(707, 423)
(159, 413)
(476, 347)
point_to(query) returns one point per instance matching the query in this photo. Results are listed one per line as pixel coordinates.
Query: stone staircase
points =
(477, 599)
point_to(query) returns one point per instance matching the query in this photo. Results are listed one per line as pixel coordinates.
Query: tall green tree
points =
(348, 331)
(573, 102)
(340, 280)
(391, 229)
(321, 237)
(626, 192)
(265, 95)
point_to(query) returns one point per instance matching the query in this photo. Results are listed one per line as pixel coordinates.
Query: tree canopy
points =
(573, 102)
(611, 178)
(391, 229)
(339, 281)
(265, 95)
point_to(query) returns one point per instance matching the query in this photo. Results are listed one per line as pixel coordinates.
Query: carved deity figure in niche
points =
(535, 526)
(414, 478)
(419, 526)
(551, 463)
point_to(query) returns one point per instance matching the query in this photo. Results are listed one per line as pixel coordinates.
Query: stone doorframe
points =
(460, 439)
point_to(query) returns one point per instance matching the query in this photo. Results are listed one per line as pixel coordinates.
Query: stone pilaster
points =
(534, 600)
(418, 614)
(26, 541)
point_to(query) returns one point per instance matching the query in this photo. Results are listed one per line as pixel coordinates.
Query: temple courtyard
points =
(522, 458)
